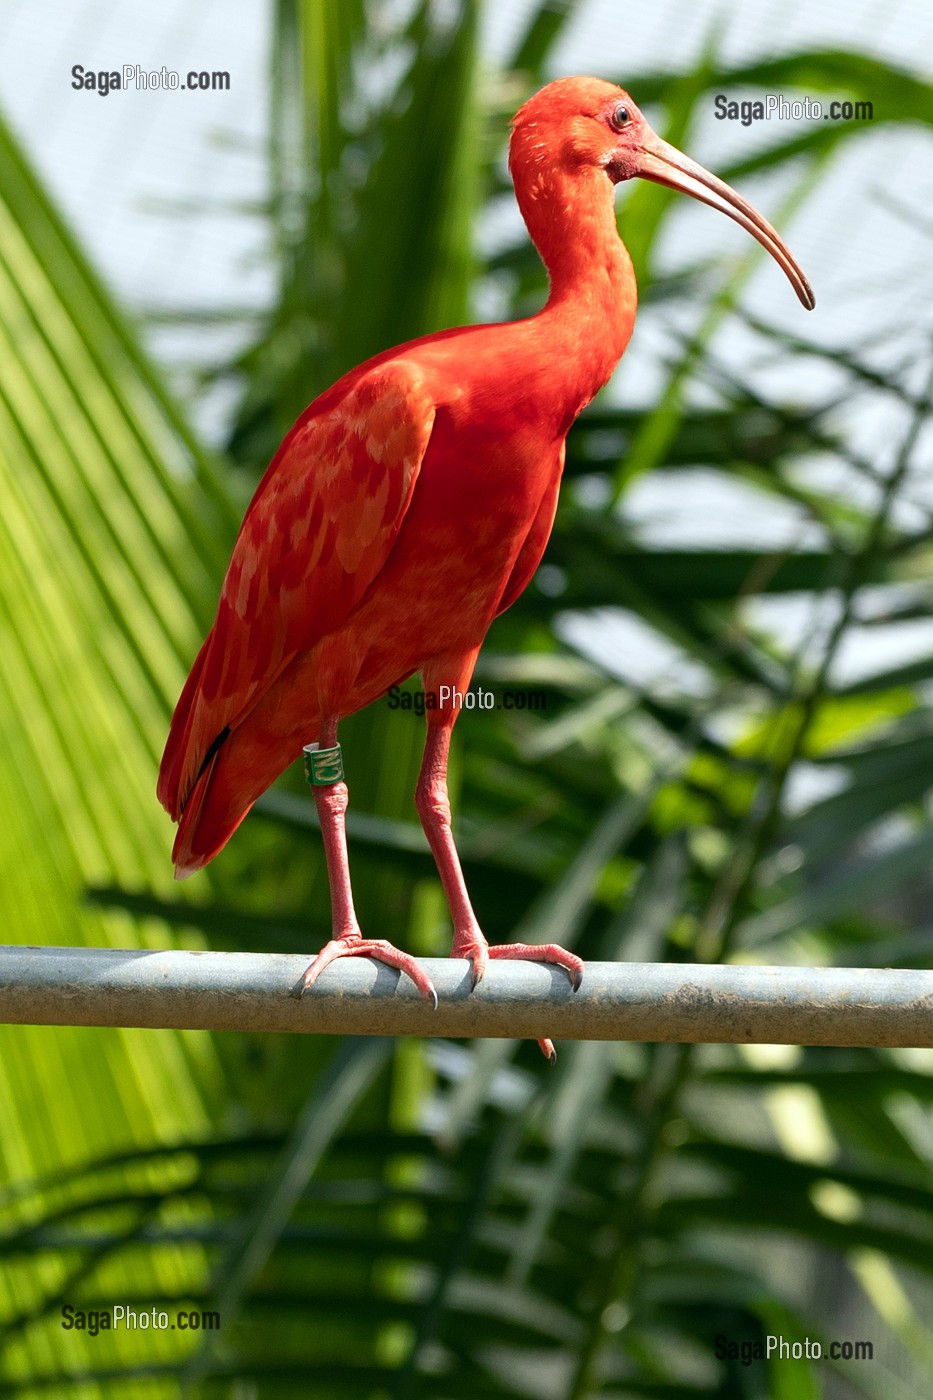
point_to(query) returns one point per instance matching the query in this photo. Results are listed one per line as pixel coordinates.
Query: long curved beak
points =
(665, 165)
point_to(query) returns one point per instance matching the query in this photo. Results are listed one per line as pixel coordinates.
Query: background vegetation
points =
(442, 1220)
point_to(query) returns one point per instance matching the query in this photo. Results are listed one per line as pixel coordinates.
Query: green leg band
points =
(323, 767)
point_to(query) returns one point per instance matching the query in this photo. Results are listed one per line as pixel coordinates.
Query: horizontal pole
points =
(356, 996)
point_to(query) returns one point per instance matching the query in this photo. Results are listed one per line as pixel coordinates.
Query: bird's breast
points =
(474, 505)
(485, 482)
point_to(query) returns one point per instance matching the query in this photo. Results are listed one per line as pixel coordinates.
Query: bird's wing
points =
(535, 543)
(316, 534)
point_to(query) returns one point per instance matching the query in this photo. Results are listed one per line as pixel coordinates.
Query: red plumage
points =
(316, 534)
(411, 502)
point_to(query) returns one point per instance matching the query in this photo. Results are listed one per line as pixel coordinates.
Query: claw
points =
(354, 945)
(474, 948)
(542, 952)
(469, 945)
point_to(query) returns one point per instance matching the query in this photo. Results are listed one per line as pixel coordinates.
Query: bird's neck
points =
(590, 312)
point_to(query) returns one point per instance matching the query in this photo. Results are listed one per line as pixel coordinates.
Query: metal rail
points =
(617, 1001)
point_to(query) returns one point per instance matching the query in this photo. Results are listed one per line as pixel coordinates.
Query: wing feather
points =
(535, 541)
(316, 534)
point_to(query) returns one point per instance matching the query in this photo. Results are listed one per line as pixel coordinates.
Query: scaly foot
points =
(543, 952)
(354, 945)
(474, 947)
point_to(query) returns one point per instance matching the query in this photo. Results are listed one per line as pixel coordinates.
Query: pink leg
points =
(433, 803)
(346, 940)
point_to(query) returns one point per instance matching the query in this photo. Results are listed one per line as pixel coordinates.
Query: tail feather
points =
(211, 815)
(175, 759)
(209, 780)
(193, 786)
(239, 771)
(211, 774)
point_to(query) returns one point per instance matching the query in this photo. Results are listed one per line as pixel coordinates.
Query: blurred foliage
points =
(443, 1220)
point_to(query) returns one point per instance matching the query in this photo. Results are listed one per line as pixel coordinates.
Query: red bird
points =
(408, 506)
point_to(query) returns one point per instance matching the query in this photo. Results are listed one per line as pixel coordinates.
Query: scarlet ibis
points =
(408, 506)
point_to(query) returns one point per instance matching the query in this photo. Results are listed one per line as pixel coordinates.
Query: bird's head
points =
(579, 125)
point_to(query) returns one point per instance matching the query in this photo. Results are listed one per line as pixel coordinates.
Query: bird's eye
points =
(620, 118)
